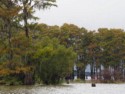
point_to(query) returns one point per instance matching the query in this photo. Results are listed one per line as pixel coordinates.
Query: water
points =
(65, 89)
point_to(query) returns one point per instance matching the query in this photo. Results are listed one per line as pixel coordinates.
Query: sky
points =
(91, 14)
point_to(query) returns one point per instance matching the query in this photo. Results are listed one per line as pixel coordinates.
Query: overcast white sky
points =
(91, 14)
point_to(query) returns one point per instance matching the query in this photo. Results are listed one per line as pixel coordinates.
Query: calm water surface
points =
(65, 89)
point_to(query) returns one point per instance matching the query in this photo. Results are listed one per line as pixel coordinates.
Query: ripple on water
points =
(65, 89)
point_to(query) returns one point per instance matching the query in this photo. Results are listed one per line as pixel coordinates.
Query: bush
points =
(54, 61)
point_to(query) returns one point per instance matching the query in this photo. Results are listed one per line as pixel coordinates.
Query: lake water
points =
(76, 88)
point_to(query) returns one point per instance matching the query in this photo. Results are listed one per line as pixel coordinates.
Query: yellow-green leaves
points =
(54, 60)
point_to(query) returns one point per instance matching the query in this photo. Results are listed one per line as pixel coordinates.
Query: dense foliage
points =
(105, 48)
(32, 52)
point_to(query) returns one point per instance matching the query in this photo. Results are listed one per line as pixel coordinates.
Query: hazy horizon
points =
(91, 14)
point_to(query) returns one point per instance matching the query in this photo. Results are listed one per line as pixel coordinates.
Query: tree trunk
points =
(92, 70)
(9, 39)
(100, 73)
(28, 80)
(25, 17)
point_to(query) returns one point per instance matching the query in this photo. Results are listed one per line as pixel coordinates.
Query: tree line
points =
(106, 48)
(32, 52)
